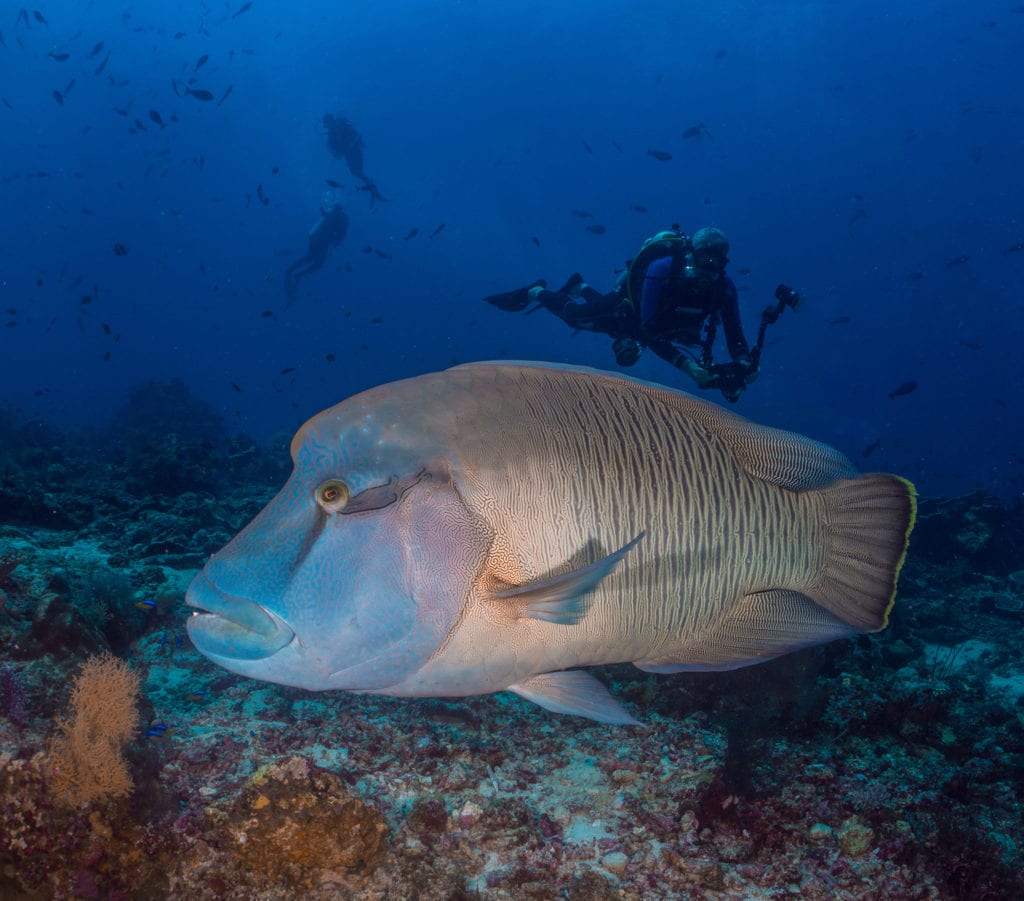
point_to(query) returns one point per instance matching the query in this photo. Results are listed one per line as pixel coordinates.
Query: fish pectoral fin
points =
(760, 626)
(575, 692)
(563, 599)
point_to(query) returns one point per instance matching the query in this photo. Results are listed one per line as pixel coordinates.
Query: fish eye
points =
(332, 495)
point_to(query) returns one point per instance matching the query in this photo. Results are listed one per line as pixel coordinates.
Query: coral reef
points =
(889, 766)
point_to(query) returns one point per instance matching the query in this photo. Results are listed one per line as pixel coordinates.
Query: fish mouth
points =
(226, 626)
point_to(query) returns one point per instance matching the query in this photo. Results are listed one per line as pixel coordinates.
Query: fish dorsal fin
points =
(779, 457)
(575, 692)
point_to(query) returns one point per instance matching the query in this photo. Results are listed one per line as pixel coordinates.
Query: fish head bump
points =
(352, 576)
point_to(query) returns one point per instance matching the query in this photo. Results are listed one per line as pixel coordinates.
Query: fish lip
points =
(209, 600)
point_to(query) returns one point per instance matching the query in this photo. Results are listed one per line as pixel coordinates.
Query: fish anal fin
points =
(760, 626)
(575, 692)
(565, 598)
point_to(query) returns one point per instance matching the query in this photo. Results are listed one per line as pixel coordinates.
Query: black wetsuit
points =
(329, 232)
(671, 312)
(345, 143)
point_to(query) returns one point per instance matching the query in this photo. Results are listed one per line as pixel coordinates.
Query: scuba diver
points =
(672, 297)
(329, 232)
(345, 143)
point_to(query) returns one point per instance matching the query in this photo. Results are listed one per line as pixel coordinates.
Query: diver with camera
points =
(672, 298)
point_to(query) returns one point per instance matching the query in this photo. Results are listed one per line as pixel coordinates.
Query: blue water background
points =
(498, 120)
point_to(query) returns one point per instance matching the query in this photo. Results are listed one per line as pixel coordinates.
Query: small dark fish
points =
(971, 345)
(871, 448)
(226, 94)
(200, 62)
(140, 127)
(199, 94)
(596, 229)
(156, 117)
(332, 183)
(2, 41)
(39, 17)
(68, 87)
(957, 261)
(96, 51)
(22, 16)
(287, 369)
(413, 232)
(86, 211)
(905, 388)
(106, 328)
(636, 208)
(582, 214)
(588, 148)
(536, 241)
(106, 357)
(376, 320)
(7, 103)
(720, 54)
(840, 320)
(662, 155)
(383, 254)
(617, 146)
(245, 7)
(1013, 248)
(178, 35)
(267, 314)
(330, 358)
(436, 231)
(103, 65)
(696, 132)
(233, 385)
(85, 300)
(915, 276)
(57, 96)
(858, 214)
(120, 249)
(744, 270)
(60, 57)
(263, 197)
(368, 248)
(275, 170)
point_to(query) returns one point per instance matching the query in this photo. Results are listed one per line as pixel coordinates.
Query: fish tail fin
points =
(869, 522)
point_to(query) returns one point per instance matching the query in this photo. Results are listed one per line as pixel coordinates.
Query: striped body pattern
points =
(520, 520)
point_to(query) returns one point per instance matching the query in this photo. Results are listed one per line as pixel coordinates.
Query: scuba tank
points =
(670, 242)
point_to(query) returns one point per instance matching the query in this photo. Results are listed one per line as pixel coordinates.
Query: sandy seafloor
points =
(890, 766)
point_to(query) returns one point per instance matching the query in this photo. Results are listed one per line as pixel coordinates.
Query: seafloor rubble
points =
(886, 767)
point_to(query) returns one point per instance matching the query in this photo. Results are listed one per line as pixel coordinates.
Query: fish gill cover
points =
(220, 218)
